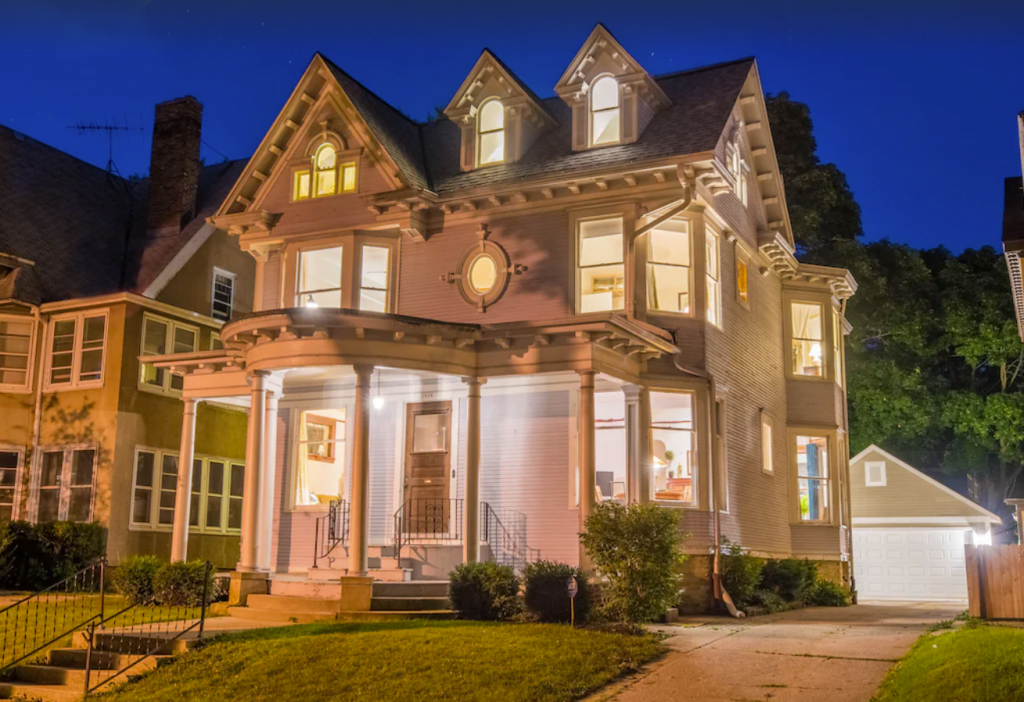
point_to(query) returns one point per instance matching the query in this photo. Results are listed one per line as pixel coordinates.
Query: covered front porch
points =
(395, 448)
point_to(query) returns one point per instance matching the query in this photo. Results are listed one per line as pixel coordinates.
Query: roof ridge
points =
(15, 133)
(348, 75)
(698, 69)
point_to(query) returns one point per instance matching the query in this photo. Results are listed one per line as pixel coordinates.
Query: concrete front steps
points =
(390, 601)
(60, 676)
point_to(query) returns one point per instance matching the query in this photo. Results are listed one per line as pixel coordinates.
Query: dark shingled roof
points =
(428, 154)
(1013, 210)
(83, 228)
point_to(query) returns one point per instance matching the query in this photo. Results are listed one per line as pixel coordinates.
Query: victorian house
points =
(467, 333)
(96, 270)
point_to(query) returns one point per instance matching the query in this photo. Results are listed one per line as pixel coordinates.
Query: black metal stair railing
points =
(331, 531)
(428, 520)
(507, 542)
(37, 621)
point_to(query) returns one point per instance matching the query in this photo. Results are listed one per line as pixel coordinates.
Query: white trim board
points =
(180, 259)
(986, 515)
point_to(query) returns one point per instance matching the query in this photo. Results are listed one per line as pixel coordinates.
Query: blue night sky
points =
(914, 101)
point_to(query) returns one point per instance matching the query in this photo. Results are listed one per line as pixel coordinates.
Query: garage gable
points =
(885, 489)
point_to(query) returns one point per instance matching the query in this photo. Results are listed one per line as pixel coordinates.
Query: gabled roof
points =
(874, 448)
(82, 228)
(488, 57)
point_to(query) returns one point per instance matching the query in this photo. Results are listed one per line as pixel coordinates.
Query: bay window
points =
(674, 446)
(15, 352)
(320, 277)
(164, 336)
(351, 272)
(77, 346)
(66, 485)
(668, 267)
(807, 353)
(713, 285)
(600, 267)
(813, 478)
(216, 492)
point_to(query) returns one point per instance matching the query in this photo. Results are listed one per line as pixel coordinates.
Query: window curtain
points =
(302, 496)
(802, 315)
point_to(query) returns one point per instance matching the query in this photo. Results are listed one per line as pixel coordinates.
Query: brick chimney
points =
(174, 163)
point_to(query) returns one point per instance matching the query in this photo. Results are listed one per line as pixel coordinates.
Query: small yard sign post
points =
(573, 587)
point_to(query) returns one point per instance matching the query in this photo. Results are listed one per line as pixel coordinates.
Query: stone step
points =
(412, 588)
(281, 617)
(409, 604)
(326, 589)
(33, 691)
(387, 616)
(324, 574)
(101, 660)
(291, 603)
(391, 575)
(132, 643)
(50, 675)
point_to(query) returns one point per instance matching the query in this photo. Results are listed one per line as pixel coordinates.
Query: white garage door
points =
(909, 564)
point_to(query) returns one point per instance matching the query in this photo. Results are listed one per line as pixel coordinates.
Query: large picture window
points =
(163, 336)
(808, 339)
(813, 478)
(320, 458)
(668, 267)
(217, 489)
(77, 346)
(15, 352)
(66, 485)
(674, 446)
(604, 111)
(601, 273)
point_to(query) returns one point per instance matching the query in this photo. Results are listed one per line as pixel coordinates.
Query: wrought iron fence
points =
(428, 520)
(43, 618)
(506, 537)
(331, 531)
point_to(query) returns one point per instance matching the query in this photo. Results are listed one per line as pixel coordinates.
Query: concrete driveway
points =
(814, 654)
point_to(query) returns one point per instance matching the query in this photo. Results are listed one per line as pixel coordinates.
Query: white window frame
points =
(75, 383)
(878, 482)
(736, 165)
(591, 112)
(713, 282)
(172, 325)
(213, 293)
(19, 469)
(695, 475)
(480, 134)
(27, 385)
(651, 263)
(578, 268)
(829, 479)
(64, 500)
(153, 524)
(767, 446)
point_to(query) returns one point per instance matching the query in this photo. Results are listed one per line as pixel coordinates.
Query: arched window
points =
(325, 169)
(328, 175)
(604, 111)
(491, 130)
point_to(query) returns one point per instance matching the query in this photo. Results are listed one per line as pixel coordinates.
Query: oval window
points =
(483, 274)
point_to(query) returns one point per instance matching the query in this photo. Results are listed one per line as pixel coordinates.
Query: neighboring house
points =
(94, 271)
(1013, 231)
(473, 330)
(909, 531)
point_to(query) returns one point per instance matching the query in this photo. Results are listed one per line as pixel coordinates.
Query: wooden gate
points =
(995, 581)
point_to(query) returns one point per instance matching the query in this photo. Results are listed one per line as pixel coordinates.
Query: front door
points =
(428, 429)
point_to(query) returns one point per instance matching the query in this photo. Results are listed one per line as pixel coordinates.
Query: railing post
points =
(206, 596)
(103, 588)
(91, 632)
(316, 542)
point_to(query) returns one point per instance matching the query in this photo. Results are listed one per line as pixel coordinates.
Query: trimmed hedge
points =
(485, 591)
(36, 556)
(546, 592)
(182, 583)
(134, 578)
(826, 593)
(791, 578)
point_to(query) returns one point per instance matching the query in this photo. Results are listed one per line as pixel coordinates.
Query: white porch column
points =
(359, 508)
(266, 517)
(586, 457)
(471, 509)
(255, 469)
(183, 494)
(638, 443)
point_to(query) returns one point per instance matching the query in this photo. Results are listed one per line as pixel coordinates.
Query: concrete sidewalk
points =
(833, 654)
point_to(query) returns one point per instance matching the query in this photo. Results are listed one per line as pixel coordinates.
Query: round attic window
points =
(483, 274)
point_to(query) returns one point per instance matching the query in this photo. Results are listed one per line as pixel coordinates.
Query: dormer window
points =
(604, 112)
(327, 176)
(491, 130)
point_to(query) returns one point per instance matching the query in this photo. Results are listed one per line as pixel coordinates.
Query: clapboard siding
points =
(816, 540)
(384, 464)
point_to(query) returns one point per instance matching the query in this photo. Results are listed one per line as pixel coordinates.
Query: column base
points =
(245, 584)
(356, 592)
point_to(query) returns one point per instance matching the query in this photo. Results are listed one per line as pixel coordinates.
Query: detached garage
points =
(909, 531)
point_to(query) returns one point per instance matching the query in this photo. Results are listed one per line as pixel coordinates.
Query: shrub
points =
(637, 550)
(741, 573)
(825, 593)
(791, 578)
(546, 591)
(134, 578)
(485, 591)
(33, 557)
(770, 600)
(182, 583)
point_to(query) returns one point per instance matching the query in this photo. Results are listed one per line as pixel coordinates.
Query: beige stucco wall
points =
(192, 287)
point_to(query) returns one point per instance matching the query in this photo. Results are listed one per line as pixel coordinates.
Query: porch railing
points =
(506, 537)
(331, 531)
(428, 520)
(36, 622)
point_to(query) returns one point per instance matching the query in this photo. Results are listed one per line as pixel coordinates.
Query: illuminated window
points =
(325, 165)
(373, 287)
(812, 478)
(327, 177)
(301, 189)
(319, 278)
(674, 446)
(601, 269)
(483, 274)
(668, 267)
(320, 465)
(742, 293)
(604, 111)
(713, 296)
(808, 347)
(837, 345)
(767, 464)
(491, 129)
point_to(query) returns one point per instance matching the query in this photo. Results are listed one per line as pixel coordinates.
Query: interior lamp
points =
(816, 352)
(310, 302)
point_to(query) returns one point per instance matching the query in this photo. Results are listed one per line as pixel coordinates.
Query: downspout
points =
(847, 503)
(719, 590)
(37, 419)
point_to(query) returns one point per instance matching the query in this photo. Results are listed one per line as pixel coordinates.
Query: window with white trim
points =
(10, 469)
(325, 177)
(674, 447)
(222, 297)
(216, 500)
(601, 271)
(77, 347)
(15, 352)
(374, 278)
(736, 165)
(874, 474)
(837, 346)
(604, 112)
(350, 272)
(164, 336)
(767, 453)
(491, 133)
(320, 278)
(668, 267)
(66, 485)
(808, 341)
(813, 478)
(713, 285)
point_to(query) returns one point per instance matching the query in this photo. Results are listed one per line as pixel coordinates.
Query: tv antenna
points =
(110, 130)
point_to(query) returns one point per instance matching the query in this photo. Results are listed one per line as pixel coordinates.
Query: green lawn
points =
(983, 664)
(412, 660)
